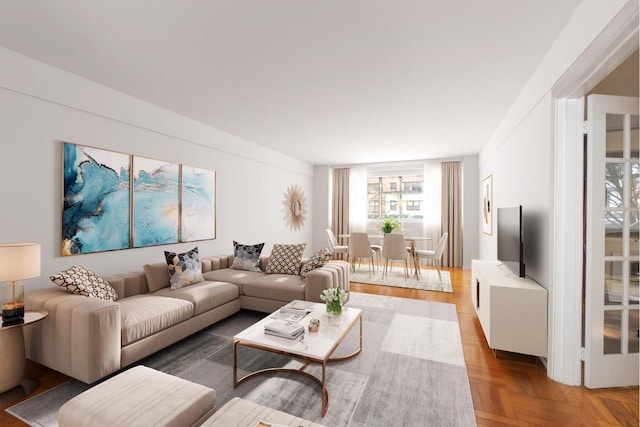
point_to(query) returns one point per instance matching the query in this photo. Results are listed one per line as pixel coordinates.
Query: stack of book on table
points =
(283, 329)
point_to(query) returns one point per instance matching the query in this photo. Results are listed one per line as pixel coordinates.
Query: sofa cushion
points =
(316, 260)
(229, 275)
(281, 287)
(144, 315)
(184, 269)
(157, 276)
(82, 281)
(285, 259)
(246, 257)
(204, 295)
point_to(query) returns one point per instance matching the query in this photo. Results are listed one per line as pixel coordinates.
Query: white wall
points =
(471, 212)
(42, 106)
(321, 214)
(522, 170)
(519, 154)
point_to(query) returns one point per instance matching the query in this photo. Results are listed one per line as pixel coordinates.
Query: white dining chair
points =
(334, 247)
(360, 247)
(394, 248)
(435, 255)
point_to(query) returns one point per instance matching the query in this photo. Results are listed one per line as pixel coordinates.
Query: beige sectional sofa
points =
(88, 338)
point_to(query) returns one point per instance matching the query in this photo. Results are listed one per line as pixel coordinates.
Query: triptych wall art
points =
(115, 201)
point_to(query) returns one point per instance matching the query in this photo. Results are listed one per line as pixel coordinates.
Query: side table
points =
(13, 384)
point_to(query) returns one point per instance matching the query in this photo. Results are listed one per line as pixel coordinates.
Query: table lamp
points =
(18, 261)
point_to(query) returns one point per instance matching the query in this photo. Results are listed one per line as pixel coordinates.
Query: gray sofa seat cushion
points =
(231, 275)
(280, 287)
(144, 315)
(203, 295)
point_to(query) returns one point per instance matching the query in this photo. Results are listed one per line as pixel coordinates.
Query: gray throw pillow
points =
(184, 269)
(246, 257)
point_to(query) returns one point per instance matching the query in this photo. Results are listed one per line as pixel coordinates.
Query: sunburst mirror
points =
(294, 207)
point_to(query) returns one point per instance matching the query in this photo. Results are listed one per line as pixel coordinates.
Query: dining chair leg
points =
(414, 259)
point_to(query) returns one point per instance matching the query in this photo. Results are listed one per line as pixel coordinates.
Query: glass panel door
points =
(611, 313)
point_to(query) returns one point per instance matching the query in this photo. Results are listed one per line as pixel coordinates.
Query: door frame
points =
(614, 44)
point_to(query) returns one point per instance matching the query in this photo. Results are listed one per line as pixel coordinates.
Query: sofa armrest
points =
(331, 275)
(80, 337)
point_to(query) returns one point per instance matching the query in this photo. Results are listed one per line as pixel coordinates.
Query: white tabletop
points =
(315, 345)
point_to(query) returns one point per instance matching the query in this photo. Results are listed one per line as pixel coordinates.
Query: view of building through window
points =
(398, 197)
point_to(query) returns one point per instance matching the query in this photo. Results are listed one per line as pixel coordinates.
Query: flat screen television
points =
(510, 242)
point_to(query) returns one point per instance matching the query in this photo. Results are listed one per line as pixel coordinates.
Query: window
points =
(395, 196)
(413, 205)
(413, 187)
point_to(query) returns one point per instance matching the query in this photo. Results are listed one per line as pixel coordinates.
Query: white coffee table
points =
(314, 347)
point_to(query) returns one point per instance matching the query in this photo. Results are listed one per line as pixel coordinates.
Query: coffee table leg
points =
(325, 394)
(235, 365)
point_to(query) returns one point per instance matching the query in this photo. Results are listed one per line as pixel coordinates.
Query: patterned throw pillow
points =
(285, 259)
(246, 257)
(184, 269)
(316, 260)
(81, 281)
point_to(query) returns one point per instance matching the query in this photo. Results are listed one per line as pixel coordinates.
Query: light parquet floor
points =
(514, 390)
(510, 390)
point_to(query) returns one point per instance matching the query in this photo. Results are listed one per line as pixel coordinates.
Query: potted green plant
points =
(389, 225)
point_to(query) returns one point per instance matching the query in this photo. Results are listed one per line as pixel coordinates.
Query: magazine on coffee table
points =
(279, 328)
(288, 317)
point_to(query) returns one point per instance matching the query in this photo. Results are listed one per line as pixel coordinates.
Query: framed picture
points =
(95, 200)
(156, 202)
(487, 205)
(198, 201)
(113, 201)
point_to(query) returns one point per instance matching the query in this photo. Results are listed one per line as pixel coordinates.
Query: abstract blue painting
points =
(198, 219)
(156, 202)
(96, 201)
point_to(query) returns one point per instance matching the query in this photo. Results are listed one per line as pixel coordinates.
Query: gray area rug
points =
(428, 279)
(411, 371)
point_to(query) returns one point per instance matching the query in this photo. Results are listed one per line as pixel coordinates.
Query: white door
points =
(611, 270)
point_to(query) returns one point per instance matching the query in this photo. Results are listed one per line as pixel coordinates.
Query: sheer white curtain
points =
(432, 190)
(358, 199)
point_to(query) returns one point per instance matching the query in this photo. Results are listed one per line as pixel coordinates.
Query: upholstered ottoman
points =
(243, 413)
(140, 396)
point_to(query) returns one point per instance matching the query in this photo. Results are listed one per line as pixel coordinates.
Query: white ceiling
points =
(326, 81)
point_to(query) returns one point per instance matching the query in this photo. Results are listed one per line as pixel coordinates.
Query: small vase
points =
(334, 308)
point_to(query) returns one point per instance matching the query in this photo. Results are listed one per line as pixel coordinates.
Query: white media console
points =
(512, 310)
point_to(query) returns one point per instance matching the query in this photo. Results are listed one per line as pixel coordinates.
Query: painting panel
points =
(96, 200)
(487, 205)
(198, 221)
(156, 204)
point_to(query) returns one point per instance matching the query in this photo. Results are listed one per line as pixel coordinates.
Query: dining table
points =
(412, 247)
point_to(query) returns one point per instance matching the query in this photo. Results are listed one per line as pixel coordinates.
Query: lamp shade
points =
(19, 261)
